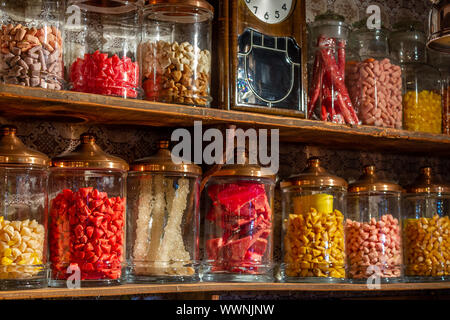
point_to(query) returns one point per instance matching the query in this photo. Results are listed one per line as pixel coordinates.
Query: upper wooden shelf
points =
(134, 289)
(18, 102)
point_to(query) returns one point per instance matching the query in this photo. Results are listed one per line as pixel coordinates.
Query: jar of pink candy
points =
(373, 230)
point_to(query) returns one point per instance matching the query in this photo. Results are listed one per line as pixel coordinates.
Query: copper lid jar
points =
(373, 231)
(175, 52)
(163, 219)
(426, 228)
(313, 230)
(238, 236)
(23, 207)
(87, 215)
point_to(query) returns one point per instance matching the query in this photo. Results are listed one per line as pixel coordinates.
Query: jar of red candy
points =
(239, 224)
(375, 82)
(329, 98)
(175, 51)
(163, 219)
(101, 47)
(31, 43)
(313, 225)
(23, 214)
(373, 229)
(87, 216)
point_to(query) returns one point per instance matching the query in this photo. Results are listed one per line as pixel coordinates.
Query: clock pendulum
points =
(262, 56)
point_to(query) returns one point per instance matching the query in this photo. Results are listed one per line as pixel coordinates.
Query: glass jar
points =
(239, 224)
(426, 229)
(329, 99)
(373, 230)
(23, 215)
(175, 53)
(163, 219)
(313, 244)
(87, 216)
(101, 47)
(422, 99)
(375, 83)
(32, 43)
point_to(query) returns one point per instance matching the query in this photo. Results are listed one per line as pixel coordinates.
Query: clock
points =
(261, 56)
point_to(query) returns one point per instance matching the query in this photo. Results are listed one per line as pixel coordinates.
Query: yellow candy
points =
(422, 111)
(7, 252)
(6, 261)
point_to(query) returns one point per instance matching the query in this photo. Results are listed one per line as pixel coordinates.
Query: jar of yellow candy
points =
(422, 96)
(426, 229)
(313, 226)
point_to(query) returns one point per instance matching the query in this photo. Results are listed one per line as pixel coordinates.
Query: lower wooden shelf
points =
(136, 289)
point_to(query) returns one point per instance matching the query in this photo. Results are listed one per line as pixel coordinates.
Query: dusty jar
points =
(313, 245)
(87, 192)
(373, 229)
(163, 219)
(23, 214)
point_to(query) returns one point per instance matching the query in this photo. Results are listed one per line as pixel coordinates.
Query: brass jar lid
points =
(201, 4)
(370, 182)
(162, 162)
(314, 175)
(426, 182)
(14, 152)
(88, 155)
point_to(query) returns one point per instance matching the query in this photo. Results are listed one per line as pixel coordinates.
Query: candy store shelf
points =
(18, 102)
(215, 288)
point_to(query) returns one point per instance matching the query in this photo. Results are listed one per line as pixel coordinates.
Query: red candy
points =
(243, 212)
(86, 231)
(97, 73)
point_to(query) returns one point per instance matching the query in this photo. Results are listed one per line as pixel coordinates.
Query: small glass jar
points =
(329, 99)
(163, 219)
(87, 216)
(422, 99)
(239, 224)
(375, 83)
(313, 244)
(23, 214)
(373, 230)
(32, 43)
(175, 53)
(426, 229)
(101, 47)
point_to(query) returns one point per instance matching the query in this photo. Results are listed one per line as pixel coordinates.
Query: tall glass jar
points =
(239, 224)
(32, 43)
(101, 47)
(422, 99)
(175, 53)
(426, 228)
(373, 230)
(87, 217)
(313, 226)
(375, 83)
(163, 219)
(329, 99)
(23, 214)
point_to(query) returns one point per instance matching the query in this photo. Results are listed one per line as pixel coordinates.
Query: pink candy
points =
(374, 243)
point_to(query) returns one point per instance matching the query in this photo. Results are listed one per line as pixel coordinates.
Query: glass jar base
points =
(230, 277)
(382, 280)
(142, 279)
(22, 284)
(85, 283)
(426, 278)
(313, 280)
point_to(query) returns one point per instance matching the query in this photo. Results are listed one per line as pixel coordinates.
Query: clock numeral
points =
(266, 16)
(277, 14)
(284, 7)
(256, 9)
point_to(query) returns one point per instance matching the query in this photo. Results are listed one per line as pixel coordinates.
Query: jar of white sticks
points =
(163, 219)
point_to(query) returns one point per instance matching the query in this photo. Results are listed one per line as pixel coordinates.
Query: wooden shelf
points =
(131, 289)
(18, 102)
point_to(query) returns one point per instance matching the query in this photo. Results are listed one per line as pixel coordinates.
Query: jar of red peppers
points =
(87, 216)
(313, 225)
(175, 52)
(32, 43)
(373, 229)
(239, 224)
(23, 214)
(163, 219)
(101, 48)
(329, 98)
(375, 82)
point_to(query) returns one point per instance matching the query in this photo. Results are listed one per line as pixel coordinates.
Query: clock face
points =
(270, 11)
